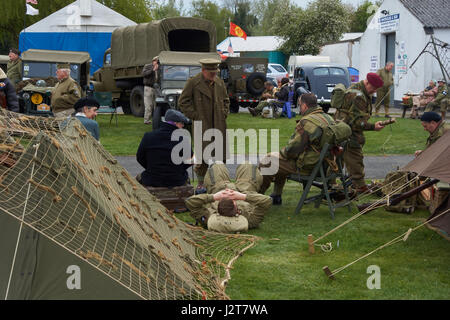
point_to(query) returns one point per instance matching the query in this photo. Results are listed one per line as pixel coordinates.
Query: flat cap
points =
(210, 64)
(430, 116)
(176, 116)
(86, 102)
(441, 80)
(155, 58)
(63, 66)
(375, 80)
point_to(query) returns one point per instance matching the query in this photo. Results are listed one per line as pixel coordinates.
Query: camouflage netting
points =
(58, 180)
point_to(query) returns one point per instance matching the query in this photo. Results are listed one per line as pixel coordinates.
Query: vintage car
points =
(320, 79)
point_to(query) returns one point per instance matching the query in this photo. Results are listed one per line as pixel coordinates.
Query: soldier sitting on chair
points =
(303, 150)
(442, 100)
(435, 125)
(266, 95)
(214, 208)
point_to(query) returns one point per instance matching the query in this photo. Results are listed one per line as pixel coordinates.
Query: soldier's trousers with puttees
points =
(248, 178)
(354, 163)
(285, 168)
(149, 102)
(383, 98)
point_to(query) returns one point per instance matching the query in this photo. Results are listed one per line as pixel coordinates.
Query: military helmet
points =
(41, 83)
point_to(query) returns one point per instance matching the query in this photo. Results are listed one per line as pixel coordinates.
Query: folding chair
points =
(320, 177)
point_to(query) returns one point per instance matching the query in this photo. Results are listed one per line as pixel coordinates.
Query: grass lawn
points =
(280, 266)
(404, 137)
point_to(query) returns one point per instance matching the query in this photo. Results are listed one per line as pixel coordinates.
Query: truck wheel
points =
(234, 106)
(255, 83)
(137, 101)
(156, 117)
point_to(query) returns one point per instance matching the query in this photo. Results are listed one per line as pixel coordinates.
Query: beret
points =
(430, 116)
(375, 80)
(86, 102)
(176, 116)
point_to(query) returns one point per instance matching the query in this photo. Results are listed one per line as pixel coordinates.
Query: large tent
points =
(84, 25)
(434, 163)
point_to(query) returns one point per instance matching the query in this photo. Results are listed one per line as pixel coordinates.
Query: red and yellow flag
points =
(235, 30)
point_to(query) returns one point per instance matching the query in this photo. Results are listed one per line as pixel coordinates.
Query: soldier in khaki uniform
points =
(383, 94)
(14, 67)
(269, 93)
(204, 98)
(356, 112)
(244, 193)
(442, 100)
(303, 150)
(66, 92)
(435, 125)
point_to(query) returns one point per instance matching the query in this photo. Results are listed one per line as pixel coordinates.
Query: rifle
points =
(397, 198)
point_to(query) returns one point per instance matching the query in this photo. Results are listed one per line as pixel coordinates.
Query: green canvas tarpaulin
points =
(134, 46)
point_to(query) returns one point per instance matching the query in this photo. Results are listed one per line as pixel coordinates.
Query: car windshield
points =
(337, 72)
(179, 72)
(46, 69)
(321, 72)
(278, 68)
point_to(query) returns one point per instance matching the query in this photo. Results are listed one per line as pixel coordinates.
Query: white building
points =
(399, 32)
(345, 51)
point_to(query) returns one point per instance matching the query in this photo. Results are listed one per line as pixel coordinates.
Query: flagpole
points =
(25, 18)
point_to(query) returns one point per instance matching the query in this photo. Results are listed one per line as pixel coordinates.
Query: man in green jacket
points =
(204, 99)
(442, 100)
(436, 127)
(303, 149)
(14, 67)
(383, 93)
(66, 92)
(244, 193)
(356, 112)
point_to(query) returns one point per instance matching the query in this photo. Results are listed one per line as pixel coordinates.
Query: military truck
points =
(41, 65)
(179, 42)
(244, 78)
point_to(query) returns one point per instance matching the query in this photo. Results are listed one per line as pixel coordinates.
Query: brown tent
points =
(434, 163)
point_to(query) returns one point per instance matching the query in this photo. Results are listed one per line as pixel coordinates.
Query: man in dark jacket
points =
(8, 97)
(152, 75)
(155, 154)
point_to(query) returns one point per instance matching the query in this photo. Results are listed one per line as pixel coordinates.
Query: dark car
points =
(320, 79)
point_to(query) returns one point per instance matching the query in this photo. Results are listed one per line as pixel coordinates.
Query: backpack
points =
(337, 96)
(333, 132)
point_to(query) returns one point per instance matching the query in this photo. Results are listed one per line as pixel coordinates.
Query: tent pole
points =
(21, 227)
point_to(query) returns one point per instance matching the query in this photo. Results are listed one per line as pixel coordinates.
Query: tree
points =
(360, 17)
(306, 31)
(209, 10)
(242, 14)
(265, 11)
(167, 9)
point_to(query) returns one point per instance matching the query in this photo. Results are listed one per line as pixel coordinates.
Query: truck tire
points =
(255, 83)
(137, 101)
(234, 106)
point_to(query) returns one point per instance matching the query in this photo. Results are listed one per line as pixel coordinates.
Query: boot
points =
(443, 113)
(276, 199)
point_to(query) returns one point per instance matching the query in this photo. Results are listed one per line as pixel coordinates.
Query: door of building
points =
(390, 56)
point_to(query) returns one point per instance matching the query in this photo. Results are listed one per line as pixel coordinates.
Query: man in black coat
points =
(8, 93)
(155, 154)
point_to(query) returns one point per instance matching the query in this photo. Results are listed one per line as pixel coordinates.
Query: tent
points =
(434, 163)
(84, 25)
(75, 225)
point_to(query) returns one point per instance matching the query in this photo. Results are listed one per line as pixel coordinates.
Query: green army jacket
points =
(253, 208)
(14, 72)
(387, 76)
(304, 145)
(442, 94)
(439, 132)
(356, 112)
(65, 94)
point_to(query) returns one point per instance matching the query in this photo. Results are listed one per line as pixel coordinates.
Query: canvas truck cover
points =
(56, 56)
(4, 59)
(136, 45)
(185, 58)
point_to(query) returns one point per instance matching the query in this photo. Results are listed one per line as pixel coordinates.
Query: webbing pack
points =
(333, 132)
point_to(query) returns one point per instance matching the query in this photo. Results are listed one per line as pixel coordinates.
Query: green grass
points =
(280, 267)
(404, 137)
(283, 269)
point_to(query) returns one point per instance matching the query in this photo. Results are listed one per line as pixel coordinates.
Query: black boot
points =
(276, 199)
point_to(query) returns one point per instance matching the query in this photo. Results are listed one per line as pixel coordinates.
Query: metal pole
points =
(438, 58)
